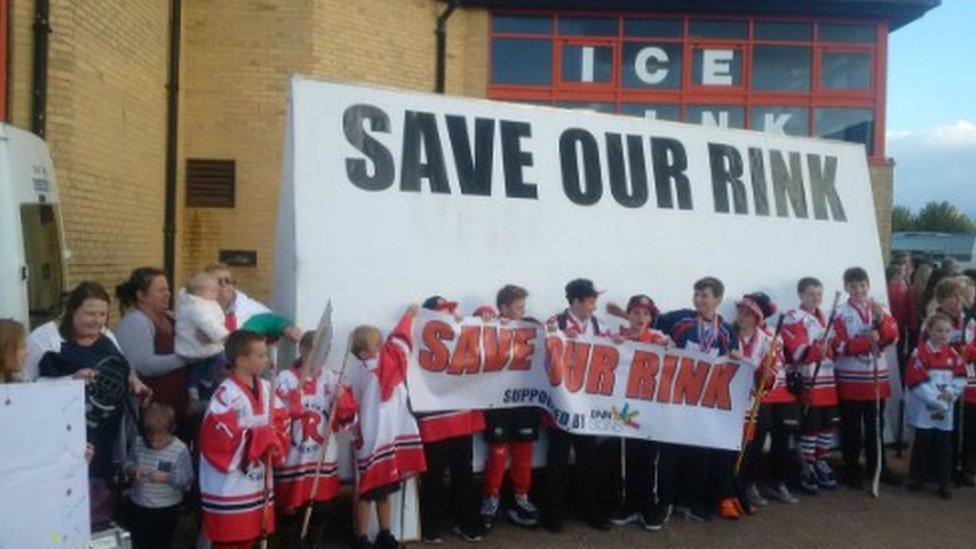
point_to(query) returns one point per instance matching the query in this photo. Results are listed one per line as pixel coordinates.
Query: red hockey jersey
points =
(854, 369)
(308, 403)
(239, 424)
(932, 373)
(801, 330)
(388, 446)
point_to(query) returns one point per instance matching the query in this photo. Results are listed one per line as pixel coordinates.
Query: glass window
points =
(649, 65)
(788, 120)
(663, 28)
(716, 67)
(845, 71)
(583, 106)
(587, 64)
(855, 34)
(655, 111)
(526, 62)
(802, 32)
(722, 116)
(727, 30)
(587, 26)
(856, 125)
(43, 254)
(521, 24)
(781, 68)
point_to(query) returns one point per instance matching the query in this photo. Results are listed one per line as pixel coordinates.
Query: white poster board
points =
(389, 197)
(43, 472)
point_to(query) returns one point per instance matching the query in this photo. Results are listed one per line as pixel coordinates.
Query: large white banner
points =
(587, 385)
(389, 197)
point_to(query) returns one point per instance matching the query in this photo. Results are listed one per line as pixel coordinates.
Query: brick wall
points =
(106, 116)
(882, 183)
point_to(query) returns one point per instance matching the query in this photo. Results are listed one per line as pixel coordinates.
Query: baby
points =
(200, 334)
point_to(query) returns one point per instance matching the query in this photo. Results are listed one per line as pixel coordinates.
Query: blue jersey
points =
(689, 331)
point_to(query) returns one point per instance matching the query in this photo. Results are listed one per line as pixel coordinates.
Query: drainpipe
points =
(441, 33)
(172, 120)
(42, 28)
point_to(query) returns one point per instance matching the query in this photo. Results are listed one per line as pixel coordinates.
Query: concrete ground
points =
(844, 519)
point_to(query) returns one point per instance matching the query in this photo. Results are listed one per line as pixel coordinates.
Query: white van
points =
(32, 250)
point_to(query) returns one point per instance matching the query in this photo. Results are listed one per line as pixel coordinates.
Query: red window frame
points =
(688, 94)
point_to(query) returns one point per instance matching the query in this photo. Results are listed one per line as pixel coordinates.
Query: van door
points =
(42, 250)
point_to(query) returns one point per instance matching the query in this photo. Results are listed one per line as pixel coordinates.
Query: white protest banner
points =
(389, 197)
(43, 471)
(589, 385)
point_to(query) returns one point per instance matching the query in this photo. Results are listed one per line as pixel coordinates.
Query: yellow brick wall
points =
(237, 58)
(882, 183)
(106, 115)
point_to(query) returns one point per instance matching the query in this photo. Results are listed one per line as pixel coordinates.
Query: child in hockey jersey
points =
(510, 433)
(934, 378)
(863, 328)
(308, 391)
(805, 347)
(200, 335)
(697, 472)
(244, 432)
(965, 463)
(388, 450)
(778, 414)
(636, 474)
(161, 471)
(448, 447)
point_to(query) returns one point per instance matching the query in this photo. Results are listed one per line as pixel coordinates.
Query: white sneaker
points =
(781, 494)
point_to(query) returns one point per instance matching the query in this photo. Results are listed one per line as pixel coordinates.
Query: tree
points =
(902, 219)
(942, 217)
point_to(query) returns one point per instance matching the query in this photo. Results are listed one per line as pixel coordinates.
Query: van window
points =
(42, 246)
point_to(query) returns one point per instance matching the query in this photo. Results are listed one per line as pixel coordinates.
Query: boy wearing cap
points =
(638, 471)
(510, 432)
(448, 447)
(592, 453)
(702, 329)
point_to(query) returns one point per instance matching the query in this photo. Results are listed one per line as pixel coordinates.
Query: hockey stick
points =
(265, 500)
(822, 342)
(879, 447)
(767, 364)
(330, 428)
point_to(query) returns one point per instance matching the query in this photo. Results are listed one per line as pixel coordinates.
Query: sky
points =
(931, 109)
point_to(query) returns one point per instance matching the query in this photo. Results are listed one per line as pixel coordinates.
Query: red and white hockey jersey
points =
(754, 351)
(854, 369)
(802, 329)
(240, 425)
(388, 449)
(964, 342)
(309, 402)
(930, 374)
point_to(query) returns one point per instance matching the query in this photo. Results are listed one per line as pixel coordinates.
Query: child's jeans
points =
(203, 376)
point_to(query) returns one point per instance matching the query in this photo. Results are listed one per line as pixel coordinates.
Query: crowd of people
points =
(193, 414)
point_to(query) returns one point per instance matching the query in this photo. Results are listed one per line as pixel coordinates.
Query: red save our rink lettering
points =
(661, 377)
(478, 349)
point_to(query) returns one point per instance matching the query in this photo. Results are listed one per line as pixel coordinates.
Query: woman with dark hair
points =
(146, 335)
(89, 354)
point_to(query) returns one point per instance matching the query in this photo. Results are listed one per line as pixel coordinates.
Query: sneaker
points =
(808, 478)
(753, 497)
(599, 523)
(695, 513)
(656, 520)
(489, 508)
(825, 475)
(471, 537)
(728, 509)
(361, 542)
(781, 494)
(385, 540)
(522, 512)
(624, 517)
